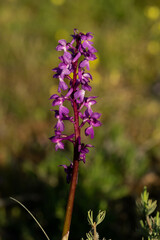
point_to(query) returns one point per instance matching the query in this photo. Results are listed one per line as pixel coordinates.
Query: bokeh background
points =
(126, 79)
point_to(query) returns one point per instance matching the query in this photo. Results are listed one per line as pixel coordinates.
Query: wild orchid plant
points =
(75, 62)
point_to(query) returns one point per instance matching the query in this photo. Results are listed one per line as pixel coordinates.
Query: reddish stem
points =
(71, 197)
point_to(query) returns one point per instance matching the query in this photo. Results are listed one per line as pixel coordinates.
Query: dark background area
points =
(126, 77)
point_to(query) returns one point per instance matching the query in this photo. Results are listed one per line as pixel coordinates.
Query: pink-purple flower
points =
(68, 170)
(75, 59)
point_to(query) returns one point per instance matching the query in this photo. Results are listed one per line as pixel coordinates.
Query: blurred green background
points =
(126, 79)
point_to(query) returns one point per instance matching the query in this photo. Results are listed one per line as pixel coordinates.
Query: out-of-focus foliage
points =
(126, 77)
(150, 226)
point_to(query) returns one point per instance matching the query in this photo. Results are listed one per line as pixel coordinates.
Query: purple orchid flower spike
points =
(75, 81)
(79, 84)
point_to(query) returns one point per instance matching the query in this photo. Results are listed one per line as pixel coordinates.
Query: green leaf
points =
(90, 217)
(142, 223)
(144, 196)
(89, 236)
(157, 219)
(151, 207)
(100, 217)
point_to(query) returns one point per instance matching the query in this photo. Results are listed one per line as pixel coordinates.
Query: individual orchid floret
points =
(89, 101)
(67, 59)
(58, 138)
(64, 69)
(62, 45)
(88, 44)
(60, 125)
(85, 62)
(83, 149)
(68, 170)
(84, 79)
(60, 75)
(92, 120)
(63, 111)
(79, 95)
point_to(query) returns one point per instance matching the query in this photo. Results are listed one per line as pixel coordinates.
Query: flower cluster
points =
(74, 62)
